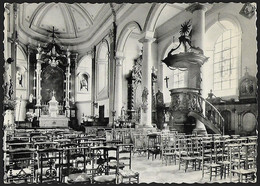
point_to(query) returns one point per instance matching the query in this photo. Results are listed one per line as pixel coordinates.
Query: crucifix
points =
(166, 80)
(53, 32)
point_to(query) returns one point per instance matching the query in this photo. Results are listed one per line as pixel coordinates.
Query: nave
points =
(130, 92)
(128, 156)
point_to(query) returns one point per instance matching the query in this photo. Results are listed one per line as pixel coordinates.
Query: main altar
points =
(53, 119)
(52, 74)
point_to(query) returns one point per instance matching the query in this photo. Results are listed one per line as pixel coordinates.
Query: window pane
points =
(217, 67)
(217, 57)
(225, 75)
(218, 47)
(225, 85)
(217, 77)
(217, 86)
(226, 44)
(226, 35)
(226, 54)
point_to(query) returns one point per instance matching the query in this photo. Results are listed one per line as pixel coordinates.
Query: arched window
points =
(226, 59)
(102, 70)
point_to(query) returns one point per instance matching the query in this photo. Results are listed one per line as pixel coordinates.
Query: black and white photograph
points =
(112, 93)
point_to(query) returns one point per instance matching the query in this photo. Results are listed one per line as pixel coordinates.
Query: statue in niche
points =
(84, 82)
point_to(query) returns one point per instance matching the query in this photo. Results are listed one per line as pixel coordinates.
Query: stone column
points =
(118, 83)
(146, 111)
(111, 77)
(93, 80)
(198, 36)
(160, 77)
(198, 24)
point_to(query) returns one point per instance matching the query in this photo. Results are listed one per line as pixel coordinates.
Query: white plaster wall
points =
(85, 66)
(83, 107)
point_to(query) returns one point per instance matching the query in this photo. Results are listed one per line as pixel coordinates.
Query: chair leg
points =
(210, 174)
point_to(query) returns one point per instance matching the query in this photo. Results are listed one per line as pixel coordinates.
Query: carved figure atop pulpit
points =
(53, 106)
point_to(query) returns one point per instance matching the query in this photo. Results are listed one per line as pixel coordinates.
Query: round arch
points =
(22, 49)
(224, 17)
(101, 44)
(153, 15)
(125, 33)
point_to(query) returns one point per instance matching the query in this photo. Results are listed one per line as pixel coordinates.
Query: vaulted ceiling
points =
(75, 24)
(77, 21)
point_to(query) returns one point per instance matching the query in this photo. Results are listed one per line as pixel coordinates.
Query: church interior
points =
(130, 93)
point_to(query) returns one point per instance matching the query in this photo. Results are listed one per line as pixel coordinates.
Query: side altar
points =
(53, 120)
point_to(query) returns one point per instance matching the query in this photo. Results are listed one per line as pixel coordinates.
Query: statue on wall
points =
(247, 86)
(160, 109)
(137, 71)
(145, 99)
(19, 77)
(8, 84)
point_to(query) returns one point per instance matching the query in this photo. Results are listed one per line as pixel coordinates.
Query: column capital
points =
(197, 6)
(147, 36)
(119, 58)
(119, 55)
(91, 52)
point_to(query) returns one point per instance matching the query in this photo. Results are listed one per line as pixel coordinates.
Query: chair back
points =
(21, 165)
(50, 165)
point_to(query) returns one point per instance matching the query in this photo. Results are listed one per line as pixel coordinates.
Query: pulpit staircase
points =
(204, 111)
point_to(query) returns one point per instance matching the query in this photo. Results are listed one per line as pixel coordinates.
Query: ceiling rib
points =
(35, 13)
(72, 19)
(87, 14)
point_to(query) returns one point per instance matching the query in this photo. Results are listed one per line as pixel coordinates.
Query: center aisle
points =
(154, 171)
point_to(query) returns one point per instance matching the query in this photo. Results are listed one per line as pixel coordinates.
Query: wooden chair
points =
(153, 147)
(210, 167)
(186, 155)
(248, 172)
(140, 144)
(179, 146)
(125, 158)
(50, 165)
(100, 169)
(77, 160)
(20, 167)
(168, 143)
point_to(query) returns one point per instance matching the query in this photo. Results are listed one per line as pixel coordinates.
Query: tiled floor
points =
(154, 171)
